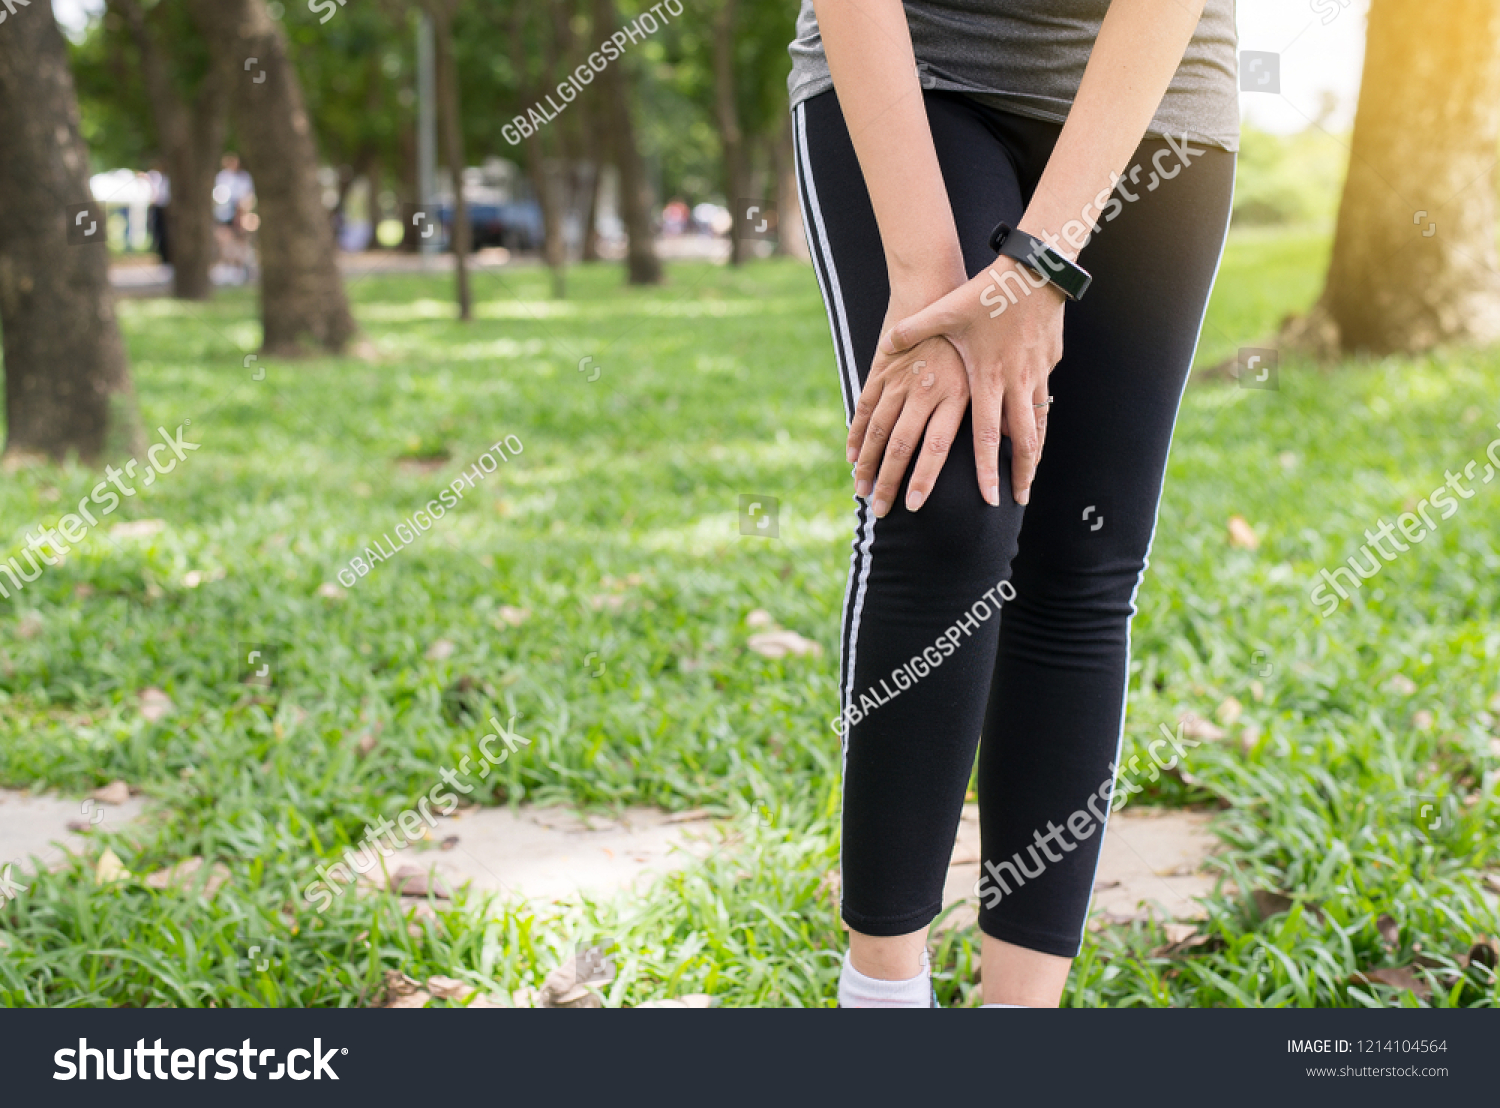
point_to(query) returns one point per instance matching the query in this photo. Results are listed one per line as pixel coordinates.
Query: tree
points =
(302, 291)
(67, 382)
(450, 136)
(641, 262)
(727, 112)
(544, 180)
(191, 116)
(1414, 260)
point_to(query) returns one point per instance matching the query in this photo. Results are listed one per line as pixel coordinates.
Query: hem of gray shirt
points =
(1033, 107)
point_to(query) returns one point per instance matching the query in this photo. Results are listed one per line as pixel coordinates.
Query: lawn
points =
(641, 417)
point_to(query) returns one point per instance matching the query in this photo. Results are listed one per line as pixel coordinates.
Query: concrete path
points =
(37, 827)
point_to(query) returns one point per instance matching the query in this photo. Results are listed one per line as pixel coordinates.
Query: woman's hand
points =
(911, 399)
(1009, 334)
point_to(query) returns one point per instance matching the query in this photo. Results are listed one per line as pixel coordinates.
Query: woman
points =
(919, 130)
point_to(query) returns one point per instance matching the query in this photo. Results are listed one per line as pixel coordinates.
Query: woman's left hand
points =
(1009, 334)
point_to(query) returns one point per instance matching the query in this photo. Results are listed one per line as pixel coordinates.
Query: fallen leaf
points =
(1390, 931)
(1398, 977)
(29, 626)
(399, 991)
(1241, 534)
(109, 868)
(192, 578)
(1195, 726)
(1249, 736)
(415, 881)
(137, 528)
(1228, 711)
(1484, 953)
(512, 617)
(329, 591)
(448, 843)
(759, 618)
(184, 876)
(1258, 691)
(116, 792)
(1401, 684)
(1422, 719)
(778, 644)
(367, 741)
(449, 988)
(1268, 903)
(440, 650)
(154, 704)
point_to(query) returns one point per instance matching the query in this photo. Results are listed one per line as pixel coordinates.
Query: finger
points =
(933, 320)
(942, 428)
(1025, 443)
(986, 407)
(1043, 415)
(882, 421)
(864, 407)
(906, 439)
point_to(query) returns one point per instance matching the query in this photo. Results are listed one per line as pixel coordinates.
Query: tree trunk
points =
(67, 383)
(791, 241)
(450, 136)
(731, 137)
(192, 139)
(543, 182)
(1414, 260)
(642, 264)
(302, 291)
(590, 251)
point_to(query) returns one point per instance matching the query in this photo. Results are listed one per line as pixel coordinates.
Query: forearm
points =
(869, 51)
(1140, 45)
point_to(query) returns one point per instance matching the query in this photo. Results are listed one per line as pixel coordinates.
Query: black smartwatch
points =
(1069, 278)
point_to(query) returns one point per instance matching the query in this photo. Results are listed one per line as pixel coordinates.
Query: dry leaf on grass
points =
(367, 741)
(154, 704)
(512, 617)
(1228, 711)
(116, 792)
(184, 875)
(1268, 903)
(692, 815)
(109, 869)
(1183, 937)
(1397, 977)
(1401, 684)
(440, 651)
(329, 591)
(399, 991)
(778, 644)
(1390, 931)
(610, 600)
(416, 881)
(1485, 952)
(1422, 719)
(29, 626)
(1195, 726)
(760, 618)
(449, 988)
(1241, 534)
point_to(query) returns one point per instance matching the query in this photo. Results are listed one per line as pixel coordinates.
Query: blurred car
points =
(516, 225)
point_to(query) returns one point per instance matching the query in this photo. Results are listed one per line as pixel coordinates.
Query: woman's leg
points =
(1056, 709)
(920, 615)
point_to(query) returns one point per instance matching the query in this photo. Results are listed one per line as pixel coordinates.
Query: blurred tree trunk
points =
(1414, 260)
(727, 113)
(192, 140)
(67, 382)
(641, 262)
(791, 241)
(302, 291)
(544, 181)
(450, 135)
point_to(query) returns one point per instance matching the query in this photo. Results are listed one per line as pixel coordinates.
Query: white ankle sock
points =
(858, 991)
(1002, 1005)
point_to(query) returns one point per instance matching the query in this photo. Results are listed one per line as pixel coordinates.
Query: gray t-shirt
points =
(1027, 57)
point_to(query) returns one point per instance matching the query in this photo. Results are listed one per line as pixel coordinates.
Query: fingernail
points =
(862, 489)
(994, 496)
(853, 455)
(1023, 497)
(881, 507)
(914, 500)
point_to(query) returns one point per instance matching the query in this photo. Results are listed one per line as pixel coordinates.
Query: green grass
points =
(719, 383)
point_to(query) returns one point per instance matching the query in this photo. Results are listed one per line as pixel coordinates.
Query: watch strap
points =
(1068, 277)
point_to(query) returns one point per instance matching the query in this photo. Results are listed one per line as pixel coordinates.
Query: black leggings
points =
(927, 661)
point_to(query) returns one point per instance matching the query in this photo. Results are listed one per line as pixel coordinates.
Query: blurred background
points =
(279, 282)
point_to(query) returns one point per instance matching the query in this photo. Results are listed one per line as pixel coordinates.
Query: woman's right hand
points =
(912, 404)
